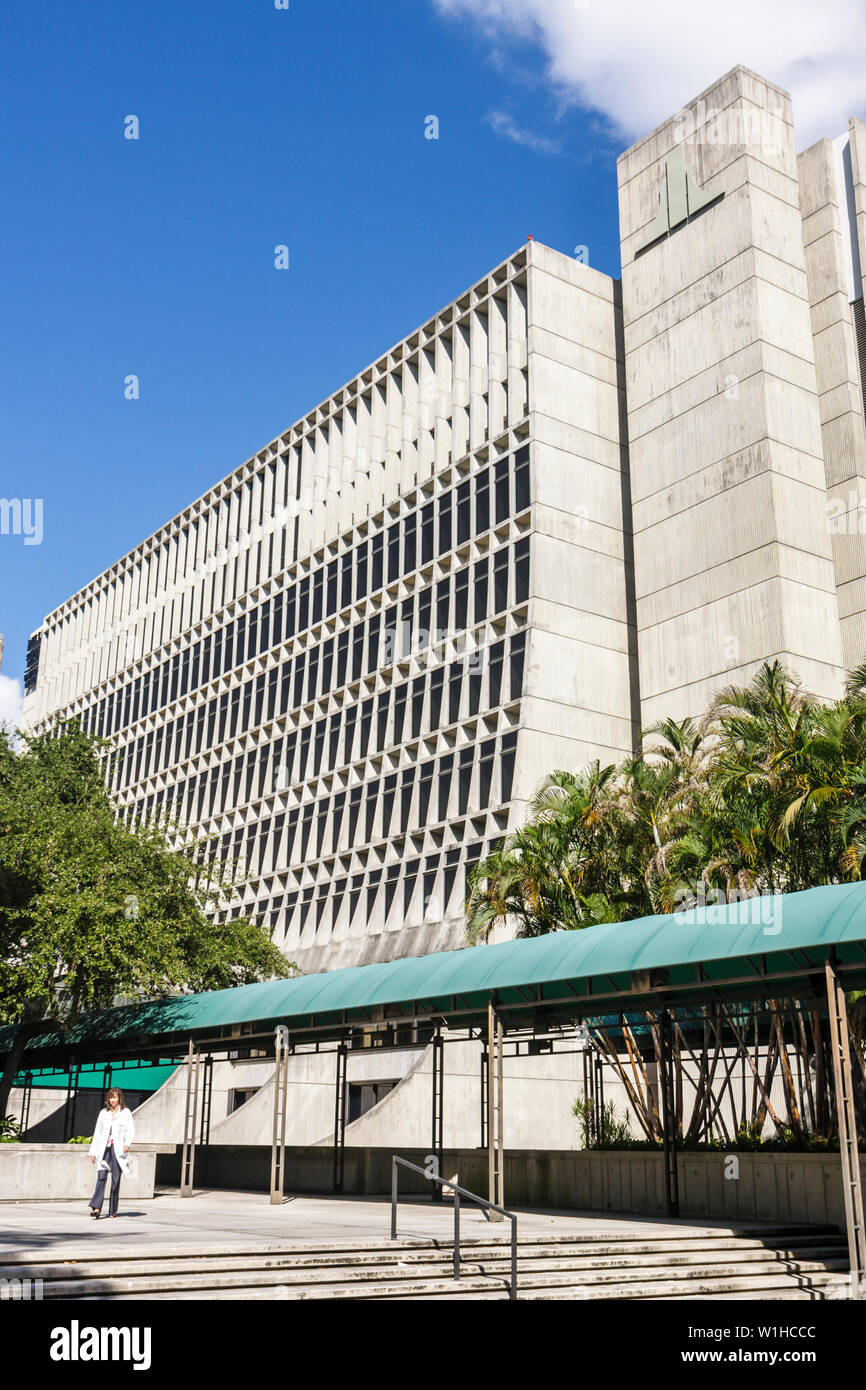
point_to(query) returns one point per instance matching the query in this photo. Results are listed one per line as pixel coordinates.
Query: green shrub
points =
(10, 1130)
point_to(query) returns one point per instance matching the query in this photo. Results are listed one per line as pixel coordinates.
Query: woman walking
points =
(109, 1147)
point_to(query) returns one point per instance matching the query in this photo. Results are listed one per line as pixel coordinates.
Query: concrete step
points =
(371, 1281)
(793, 1261)
(407, 1263)
(119, 1262)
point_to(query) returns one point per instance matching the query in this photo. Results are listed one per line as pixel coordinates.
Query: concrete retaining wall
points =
(766, 1187)
(31, 1172)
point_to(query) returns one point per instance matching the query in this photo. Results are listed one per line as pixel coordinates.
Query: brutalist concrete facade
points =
(564, 507)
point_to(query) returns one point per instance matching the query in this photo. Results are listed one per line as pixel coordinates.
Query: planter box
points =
(34, 1172)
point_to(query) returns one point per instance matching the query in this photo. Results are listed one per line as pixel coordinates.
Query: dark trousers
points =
(96, 1200)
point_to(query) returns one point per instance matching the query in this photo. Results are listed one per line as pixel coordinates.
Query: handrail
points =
(458, 1193)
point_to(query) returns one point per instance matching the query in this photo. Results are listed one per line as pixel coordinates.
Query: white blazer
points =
(124, 1133)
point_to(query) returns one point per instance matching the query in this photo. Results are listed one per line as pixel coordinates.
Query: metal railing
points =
(458, 1193)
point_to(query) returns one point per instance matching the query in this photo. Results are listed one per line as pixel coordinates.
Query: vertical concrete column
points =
(732, 554)
(824, 170)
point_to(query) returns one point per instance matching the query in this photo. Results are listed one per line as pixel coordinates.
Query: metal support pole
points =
(456, 1232)
(494, 1111)
(849, 1152)
(483, 1093)
(340, 1117)
(207, 1094)
(437, 1116)
(187, 1163)
(672, 1194)
(25, 1102)
(71, 1102)
(278, 1142)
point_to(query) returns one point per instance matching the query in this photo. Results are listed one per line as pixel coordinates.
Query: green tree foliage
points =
(91, 910)
(765, 794)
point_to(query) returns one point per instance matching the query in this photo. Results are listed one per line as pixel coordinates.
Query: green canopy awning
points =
(754, 948)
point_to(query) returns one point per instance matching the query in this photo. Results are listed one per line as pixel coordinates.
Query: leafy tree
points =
(93, 911)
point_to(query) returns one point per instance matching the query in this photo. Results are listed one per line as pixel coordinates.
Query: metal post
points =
(278, 1141)
(207, 1094)
(483, 1144)
(187, 1163)
(494, 1110)
(340, 1117)
(25, 1102)
(393, 1199)
(456, 1232)
(438, 1089)
(71, 1102)
(672, 1197)
(846, 1120)
(500, 1108)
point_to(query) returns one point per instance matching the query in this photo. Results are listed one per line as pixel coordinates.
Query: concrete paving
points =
(232, 1220)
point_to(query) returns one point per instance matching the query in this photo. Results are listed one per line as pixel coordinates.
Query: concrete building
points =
(354, 658)
(564, 507)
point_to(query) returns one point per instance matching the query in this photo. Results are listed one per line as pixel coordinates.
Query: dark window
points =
(389, 792)
(480, 573)
(500, 580)
(357, 652)
(503, 507)
(291, 613)
(393, 552)
(304, 604)
(417, 705)
(495, 663)
(521, 479)
(425, 787)
(487, 756)
(461, 600)
(409, 543)
(518, 655)
(382, 720)
(444, 523)
(464, 513)
(506, 765)
(443, 604)
(464, 781)
(318, 596)
(437, 682)
(313, 672)
(373, 652)
(446, 770)
(521, 570)
(333, 568)
(342, 658)
(407, 787)
(360, 570)
(366, 727)
(400, 695)
(376, 561)
(482, 502)
(427, 540)
(346, 580)
(455, 685)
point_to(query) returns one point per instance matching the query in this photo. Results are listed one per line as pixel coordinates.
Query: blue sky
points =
(305, 127)
(156, 257)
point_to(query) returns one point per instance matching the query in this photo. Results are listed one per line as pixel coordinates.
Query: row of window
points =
(429, 701)
(377, 892)
(491, 496)
(429, 793)
(380, 641)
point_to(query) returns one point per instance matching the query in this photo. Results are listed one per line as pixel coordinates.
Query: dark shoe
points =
(94, 1213)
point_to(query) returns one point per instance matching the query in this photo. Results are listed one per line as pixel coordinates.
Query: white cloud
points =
(11, 696)
(503, 124)
(638, 61)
